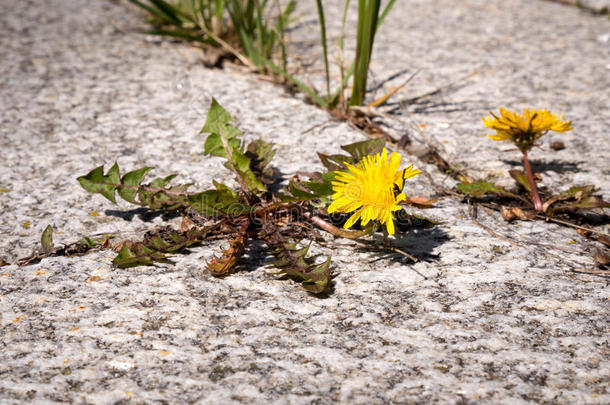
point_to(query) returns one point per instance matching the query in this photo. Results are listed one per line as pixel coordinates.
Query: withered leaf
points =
(225, 264)
(512, 213)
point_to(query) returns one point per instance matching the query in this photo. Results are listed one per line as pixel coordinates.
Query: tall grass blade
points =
(279, 28)
(344, 76)
(302, 86)
(155, 12)
(384, 13)
(168, 9)
(368, 13)
(177, 33)
(324, 46)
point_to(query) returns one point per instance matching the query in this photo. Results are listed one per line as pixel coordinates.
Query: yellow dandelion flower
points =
(372, 188)
(524, 129)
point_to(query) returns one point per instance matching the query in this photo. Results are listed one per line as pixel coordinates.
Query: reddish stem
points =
(530, 179)
(330, 228)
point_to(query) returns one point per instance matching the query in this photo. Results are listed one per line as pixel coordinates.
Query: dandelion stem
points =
(530, 179)
(330, 228)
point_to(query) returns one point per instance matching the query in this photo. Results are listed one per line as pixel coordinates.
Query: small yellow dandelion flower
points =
(372, 188)
(524, 129)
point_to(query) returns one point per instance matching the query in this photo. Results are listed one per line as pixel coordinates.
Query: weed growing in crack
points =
(524, 130)
(252, 31)
(286, 221)
(527, 202)
(249, 30)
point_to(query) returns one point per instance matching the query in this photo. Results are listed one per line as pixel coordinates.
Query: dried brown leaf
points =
(602, 257)
(225, 264)
(187, 224)
(512, 213)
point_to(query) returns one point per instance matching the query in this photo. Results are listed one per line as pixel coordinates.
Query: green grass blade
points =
(385, 13)
(173, 10)
(219, 9)
(261, 35)
(356, 88)
(251, 51)
(368, 12)
(335, 100)
(344, 76)
(303, 87)
(166, 18)
(279, 28)
(168, 10)
(324, 46)
(182, 34)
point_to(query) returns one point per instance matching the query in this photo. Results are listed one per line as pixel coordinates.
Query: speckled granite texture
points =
(593, 5)
(478, 320)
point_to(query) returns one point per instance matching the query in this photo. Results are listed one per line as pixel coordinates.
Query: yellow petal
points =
(389, 224)
(411, 172)
(499, 137)
(352, 220)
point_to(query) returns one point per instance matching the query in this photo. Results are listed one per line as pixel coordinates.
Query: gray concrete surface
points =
(479, 319)
(595, 5)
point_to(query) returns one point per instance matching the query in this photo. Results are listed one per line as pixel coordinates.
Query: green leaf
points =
(261, 153)
(126, 258)
(573, 199)
(313, 189)
(294, 263)
(114, 178)
(223, 142)
(132, 180)
(359, 150)
(241, 165)
(218, 125)
(154, 195)
(88, 242)
(157, 246)
(46, 240)
(318, 277)
(96, 182)
(217, 119)
(138, 255)
(213, 145)
(157, 195)
(335, 162)
(320, 189)
(225, 189)
(161, 182)
(214, 203)
(481, 188)
(591, 202)
(578, 192)
(521, 178)
(297, 190)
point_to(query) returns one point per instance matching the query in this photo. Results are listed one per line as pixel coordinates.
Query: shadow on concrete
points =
(552, 166)
(419, 243)
(144, 214)
(436, 106)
